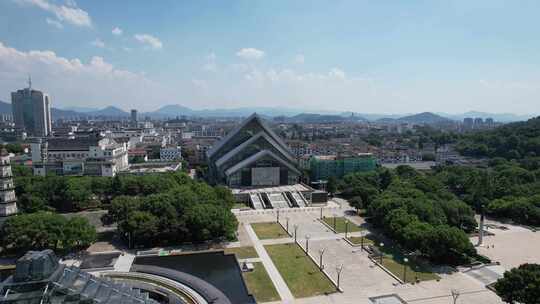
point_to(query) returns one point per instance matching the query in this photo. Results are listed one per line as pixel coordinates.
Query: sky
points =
(365, 56)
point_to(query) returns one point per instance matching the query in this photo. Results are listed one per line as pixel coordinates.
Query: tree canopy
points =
(520, 285)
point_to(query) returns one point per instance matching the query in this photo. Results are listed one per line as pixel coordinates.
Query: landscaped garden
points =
(338, 224)
(259, 284)
(357, 240)
(300, 273)
(266, 231)
(242, 252)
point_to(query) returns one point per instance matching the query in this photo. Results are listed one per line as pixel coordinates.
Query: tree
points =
(45, 230)
(520, 285)
(331, 185)
(357, 202)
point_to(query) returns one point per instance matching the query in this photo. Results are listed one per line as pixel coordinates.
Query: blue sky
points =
(365, 56)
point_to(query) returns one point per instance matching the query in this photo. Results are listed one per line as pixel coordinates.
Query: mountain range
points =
(290, 114)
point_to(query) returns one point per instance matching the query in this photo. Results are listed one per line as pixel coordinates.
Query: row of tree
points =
(45, 230)
(506, 189)
(188, 212)
(75, 193)
(416, 211)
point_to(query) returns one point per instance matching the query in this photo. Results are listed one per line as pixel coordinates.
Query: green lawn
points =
(340, 224)
(266, 231)
(299, 272)
(357, 240)
(243, 252)
(260, 285)
(393, 261)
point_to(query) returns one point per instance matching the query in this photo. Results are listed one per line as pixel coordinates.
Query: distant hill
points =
(322, 118)
(109, 111)
(427, 118)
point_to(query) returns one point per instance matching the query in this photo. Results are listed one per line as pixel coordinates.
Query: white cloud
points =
(149, 40)
(337, 73)
(117, 31)
(299, 59)
(98, 43)
(54, 23)
(250, 54)
(74, 82)
(69, 13)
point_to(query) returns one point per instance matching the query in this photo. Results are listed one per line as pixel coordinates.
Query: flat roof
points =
(285, 188)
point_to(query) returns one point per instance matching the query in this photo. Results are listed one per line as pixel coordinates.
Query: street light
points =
(307, 243)
(455, 295)
(405, 261)
(295, 230)
(321, 213)
(346, 227)
(335, 217)
(287, 224)
(339, 269)
(321, 253)
(381, 247)
(277, 213)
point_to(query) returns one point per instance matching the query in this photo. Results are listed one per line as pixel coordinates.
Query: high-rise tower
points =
(8, 200)
(32, 111)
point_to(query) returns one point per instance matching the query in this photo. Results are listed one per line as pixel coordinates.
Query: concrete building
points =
(32, 111)
(252, 155)
(324, 167)
(8, 200)
(89, 155)
(134, 118)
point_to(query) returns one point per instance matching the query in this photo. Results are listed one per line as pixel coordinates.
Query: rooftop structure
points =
(39, 278)
(252, 155)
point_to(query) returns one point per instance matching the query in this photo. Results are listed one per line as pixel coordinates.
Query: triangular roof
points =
(244, 123)
(253, 158)
(248, 142)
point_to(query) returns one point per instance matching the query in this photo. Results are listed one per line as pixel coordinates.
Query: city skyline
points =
(398, 58)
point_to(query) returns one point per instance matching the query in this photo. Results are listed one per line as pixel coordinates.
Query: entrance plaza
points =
(360, 278)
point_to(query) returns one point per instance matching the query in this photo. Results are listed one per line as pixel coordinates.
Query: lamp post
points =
(346, 227)
(339, 269)
(287, 218)
(335, 217)
(405, 261)
(277, 215)
(295, 230)
(307, 243)
(362, 241)
(321, 253)
(381, 247)
(455, 295)
(321, 213)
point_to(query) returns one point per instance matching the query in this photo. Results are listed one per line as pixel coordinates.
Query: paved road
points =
(279, 283)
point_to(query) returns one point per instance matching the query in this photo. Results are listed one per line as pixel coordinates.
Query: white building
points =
(90, 155)
(8, 200)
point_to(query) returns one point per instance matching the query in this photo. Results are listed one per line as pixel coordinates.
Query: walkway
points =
(124, 261)
(277, 280)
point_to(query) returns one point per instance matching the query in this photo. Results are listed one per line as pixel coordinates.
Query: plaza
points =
(360, 279)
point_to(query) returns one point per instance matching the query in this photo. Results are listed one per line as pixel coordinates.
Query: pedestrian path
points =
(124, 261)
(275, 276)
